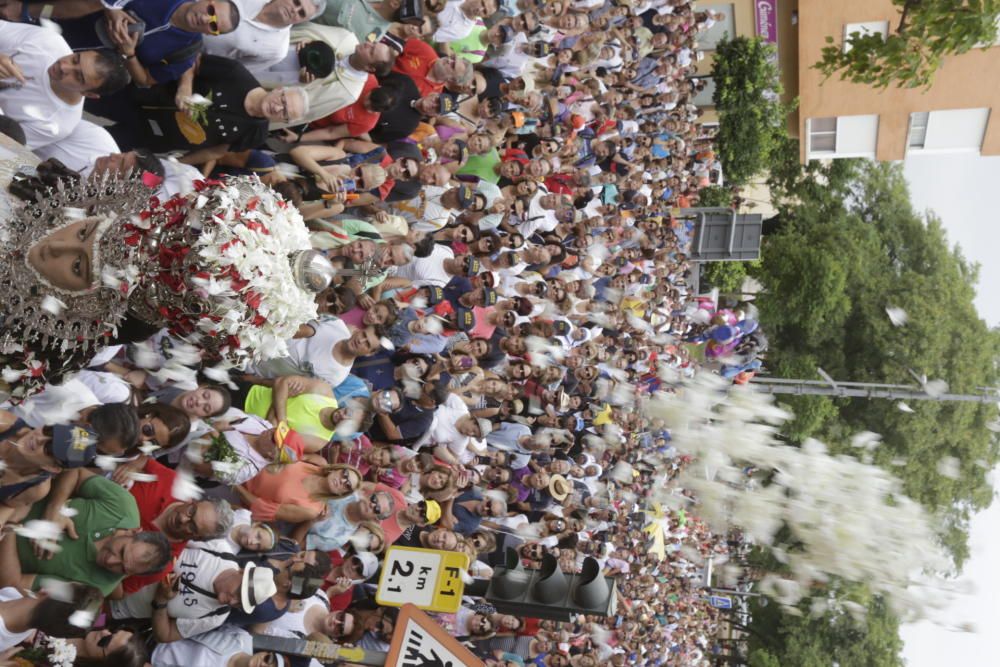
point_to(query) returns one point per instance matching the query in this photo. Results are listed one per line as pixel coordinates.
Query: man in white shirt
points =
(459, 17)
(438, 268)
(81, 147)
(207, 588)
(452, 431)
(262, 37)
(45, 83)
(354, 64)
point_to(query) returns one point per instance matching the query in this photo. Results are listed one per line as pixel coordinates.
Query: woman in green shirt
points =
(306, 404)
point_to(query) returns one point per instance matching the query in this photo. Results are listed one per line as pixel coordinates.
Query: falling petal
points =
(936, 388)
(184, 487)
(37, 529)
(897, 316)
(903, 407)
(147, 448)
(949, 467)
(82, 618)
(53, 305)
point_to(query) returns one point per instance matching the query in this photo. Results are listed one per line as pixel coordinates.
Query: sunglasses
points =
(376, 508)
(213, 24)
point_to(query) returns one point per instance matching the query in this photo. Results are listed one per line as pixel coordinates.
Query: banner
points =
(765, 14)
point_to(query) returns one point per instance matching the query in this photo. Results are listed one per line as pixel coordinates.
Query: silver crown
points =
(83, 319)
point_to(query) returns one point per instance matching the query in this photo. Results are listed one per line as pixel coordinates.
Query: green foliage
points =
(928, 30)
(820, 184)
(728, 277)
(835, 637)
(751, 117)
(852, 246)
(715, 195)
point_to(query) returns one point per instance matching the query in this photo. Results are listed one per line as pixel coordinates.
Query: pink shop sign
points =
(765, 13)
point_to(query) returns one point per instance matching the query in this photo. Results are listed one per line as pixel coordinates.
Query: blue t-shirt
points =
(466, 521)
(161, 39)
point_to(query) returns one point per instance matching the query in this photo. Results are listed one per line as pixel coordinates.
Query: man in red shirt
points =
(429, 71)
(179, 520)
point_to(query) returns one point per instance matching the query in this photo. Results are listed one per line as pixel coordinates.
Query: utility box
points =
(721, 234)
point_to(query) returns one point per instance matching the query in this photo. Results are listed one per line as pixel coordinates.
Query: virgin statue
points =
(86, 264)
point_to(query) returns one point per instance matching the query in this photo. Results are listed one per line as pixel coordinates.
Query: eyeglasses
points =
(284, 106)
(187, 518)
(213, 23)
(300, 12)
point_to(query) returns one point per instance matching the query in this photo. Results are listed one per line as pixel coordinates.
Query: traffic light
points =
(548, 592)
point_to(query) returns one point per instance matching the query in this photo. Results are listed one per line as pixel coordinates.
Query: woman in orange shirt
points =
(298, 491)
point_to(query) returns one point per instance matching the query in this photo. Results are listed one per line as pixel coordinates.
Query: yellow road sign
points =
(428, 578)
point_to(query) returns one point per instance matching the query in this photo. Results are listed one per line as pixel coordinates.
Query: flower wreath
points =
(223, 274)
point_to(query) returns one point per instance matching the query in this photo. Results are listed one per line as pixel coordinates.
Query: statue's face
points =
(65, 258)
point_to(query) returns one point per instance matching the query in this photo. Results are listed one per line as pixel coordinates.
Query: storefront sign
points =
(765, 13)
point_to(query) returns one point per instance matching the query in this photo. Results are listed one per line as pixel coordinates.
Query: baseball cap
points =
(433, 511)
(447, 102)
(369, 564)
(472, 266)
(435, 295)
(463, 150)
(466, 196)
(73, 446)
(489, 296)
(465, 319)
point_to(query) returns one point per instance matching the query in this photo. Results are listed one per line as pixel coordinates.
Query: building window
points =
(727, 26)
(918, 129)
(868, 28)
(947, 131)
(822, 135)
(843, 136)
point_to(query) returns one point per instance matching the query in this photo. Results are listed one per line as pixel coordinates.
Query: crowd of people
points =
(494, 181)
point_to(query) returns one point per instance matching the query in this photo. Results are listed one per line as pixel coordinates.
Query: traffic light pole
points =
(869, 390)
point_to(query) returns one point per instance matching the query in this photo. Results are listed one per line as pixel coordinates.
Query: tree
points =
(751, 117)
(857, 630)
(928, 30)
(839, 260)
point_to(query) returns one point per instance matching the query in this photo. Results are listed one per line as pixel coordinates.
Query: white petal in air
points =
(53, 305)
(897, 316)
(903, 407)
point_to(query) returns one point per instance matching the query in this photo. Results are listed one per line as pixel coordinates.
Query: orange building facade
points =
(842, 119)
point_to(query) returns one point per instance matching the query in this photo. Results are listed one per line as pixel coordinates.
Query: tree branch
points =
(907, 6)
